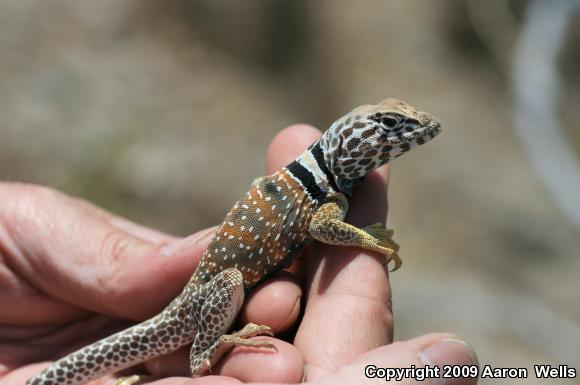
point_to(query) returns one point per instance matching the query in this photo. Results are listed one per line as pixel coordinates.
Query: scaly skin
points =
(260, 235)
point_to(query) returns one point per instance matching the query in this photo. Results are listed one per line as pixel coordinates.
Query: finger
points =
(432, 349)
(207, 380)
(348, 309)
(369, 199)
(276, 302)
(288, 144)
(20, 375)
(20, 345)
(283, 365)
(84, 256)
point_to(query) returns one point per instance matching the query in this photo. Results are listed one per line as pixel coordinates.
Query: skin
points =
(69, 282)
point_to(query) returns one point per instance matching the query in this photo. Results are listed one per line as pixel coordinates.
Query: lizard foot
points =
(385, 243)
(250, 330)
(201, 361)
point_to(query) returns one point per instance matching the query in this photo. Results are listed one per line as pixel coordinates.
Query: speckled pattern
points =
(260, 235)
(206, 305)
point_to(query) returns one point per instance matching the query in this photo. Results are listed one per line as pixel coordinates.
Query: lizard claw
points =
(385, 243)
(250, 330)
(398, 262)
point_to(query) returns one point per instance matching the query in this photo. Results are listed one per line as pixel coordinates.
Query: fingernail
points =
(183, 244)
(447, 352)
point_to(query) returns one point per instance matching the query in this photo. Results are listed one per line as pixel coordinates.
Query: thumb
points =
(78, 254)
(406, 362)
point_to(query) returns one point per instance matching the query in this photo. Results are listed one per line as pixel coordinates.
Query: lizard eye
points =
(389, 122)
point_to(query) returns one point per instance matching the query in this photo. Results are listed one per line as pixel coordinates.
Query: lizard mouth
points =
(425, 132)
(433, 128)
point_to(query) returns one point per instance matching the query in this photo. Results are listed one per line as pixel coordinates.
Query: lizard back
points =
(263, 231)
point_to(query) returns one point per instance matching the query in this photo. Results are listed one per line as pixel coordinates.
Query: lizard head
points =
(372, 135)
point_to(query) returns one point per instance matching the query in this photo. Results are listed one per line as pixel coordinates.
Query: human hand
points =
(71, 272)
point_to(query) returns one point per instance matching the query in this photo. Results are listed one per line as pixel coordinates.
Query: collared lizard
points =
(260, 235)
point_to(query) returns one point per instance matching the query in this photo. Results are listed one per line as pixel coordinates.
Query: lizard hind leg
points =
(201, 360)
(250, 330)
(219, 302)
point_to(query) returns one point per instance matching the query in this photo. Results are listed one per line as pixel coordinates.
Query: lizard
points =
(263, 232)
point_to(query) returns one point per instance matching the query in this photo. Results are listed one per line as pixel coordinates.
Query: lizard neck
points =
(311, 170)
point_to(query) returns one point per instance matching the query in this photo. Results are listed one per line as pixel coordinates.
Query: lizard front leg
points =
(327, 226)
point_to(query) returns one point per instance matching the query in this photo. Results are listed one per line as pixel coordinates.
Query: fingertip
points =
(288, 144)
(435, 349)
(283, 365)
(407, 354)
(369, 202)
(446, 349)
(382, 172)
(275, 303)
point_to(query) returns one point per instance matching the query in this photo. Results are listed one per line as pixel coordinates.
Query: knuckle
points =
(28, 202)
(115, 247)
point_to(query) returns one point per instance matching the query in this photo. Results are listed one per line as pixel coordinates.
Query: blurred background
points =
(162, 112)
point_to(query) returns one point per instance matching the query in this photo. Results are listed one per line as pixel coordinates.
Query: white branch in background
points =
(496, 27)
(537, 88)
